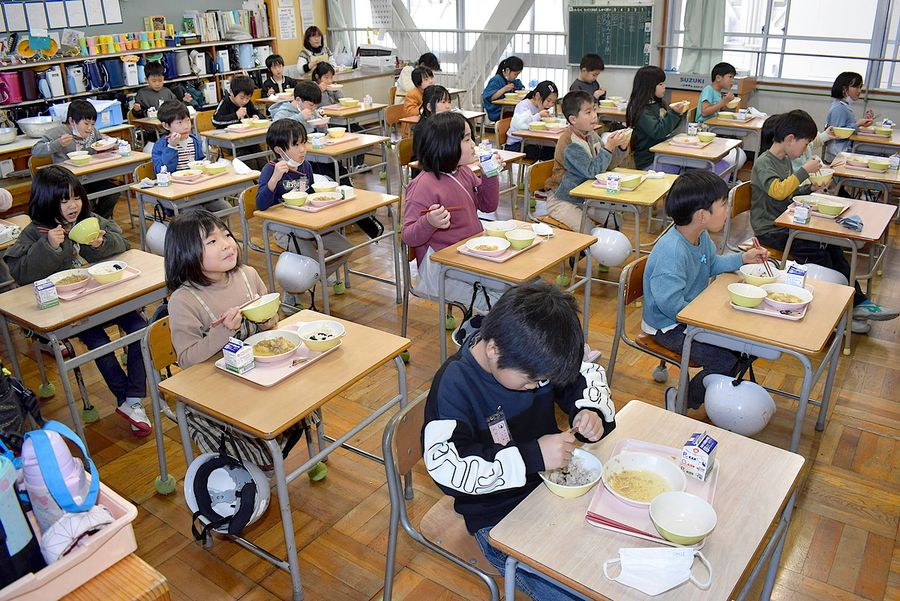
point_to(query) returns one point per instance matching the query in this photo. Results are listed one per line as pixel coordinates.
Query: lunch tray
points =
(770, 311)
(269, 374)
(347, 137)
(737, 119)
(815, 213)
(608, 512)
(602, 184)
(698, 145)
(100, 157)
(308, 209)
(93, 286)
(866, 131)
(869, 169)
(199, 179)
(509, 254)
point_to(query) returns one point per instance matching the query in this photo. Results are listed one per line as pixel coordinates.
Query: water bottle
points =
(894, 161)
(532, 84)
(612, 183)
(367, 100)
(46, 508)
(162, 178)
(20, 551)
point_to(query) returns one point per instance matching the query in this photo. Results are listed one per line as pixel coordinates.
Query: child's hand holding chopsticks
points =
(438, 216)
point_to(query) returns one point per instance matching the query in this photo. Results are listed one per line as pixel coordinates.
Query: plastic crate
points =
(100, 551)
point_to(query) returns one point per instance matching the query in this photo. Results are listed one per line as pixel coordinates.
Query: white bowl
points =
(682, 518)
(755, 274)
(802, 293)
(489, 246)
(289, 335)
(671, 475)
(566, 491)
(310, 332)
(60, 275)
(108, 271)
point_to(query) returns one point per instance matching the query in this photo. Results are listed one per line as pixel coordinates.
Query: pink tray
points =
(269, 374)
(198, 179)
(608, 512)
(308, 209)
(95, 158)
(329, 141)
(868, 131)
(770, 311)
(602, 184)
(869, 169)
(509, 254)
(698, 145)
(93, 286)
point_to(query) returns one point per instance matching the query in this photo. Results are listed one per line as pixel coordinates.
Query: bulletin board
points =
(43, 15)
(620, 34)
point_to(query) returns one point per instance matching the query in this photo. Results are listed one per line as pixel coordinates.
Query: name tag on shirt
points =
(498, 428)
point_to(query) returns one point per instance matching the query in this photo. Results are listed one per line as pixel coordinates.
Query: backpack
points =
(17, 404)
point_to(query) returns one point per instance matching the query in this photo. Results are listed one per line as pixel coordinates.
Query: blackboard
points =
(620, 34)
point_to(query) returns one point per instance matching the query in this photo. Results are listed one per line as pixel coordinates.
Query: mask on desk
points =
(654, 570)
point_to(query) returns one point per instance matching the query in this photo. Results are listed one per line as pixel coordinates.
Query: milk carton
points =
(45, 294)
(698, 455)
(238, 356)
(795, 275)
(490, 167)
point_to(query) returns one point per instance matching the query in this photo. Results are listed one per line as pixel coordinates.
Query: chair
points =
(392, 116)
(738, 204)
(35, 163)
(204, 120)
(159, 355)
(247, 204)
(501, 127)
(402, 447)
(631, 288)
(144, 170)
(392, 94)
(404, 157)
(536, 179)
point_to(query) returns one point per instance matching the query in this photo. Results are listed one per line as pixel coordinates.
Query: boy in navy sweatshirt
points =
(490, 423)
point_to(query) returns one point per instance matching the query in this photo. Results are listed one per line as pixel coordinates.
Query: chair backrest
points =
(631, 283)
(256, 95)
(248, 200)
(392, 94)
(404, 432)
(405, 150)
(740, 199)
(144, 170)
(204, 120)
(502, 127)
(537, 176)
(159, 343)
(35, 163)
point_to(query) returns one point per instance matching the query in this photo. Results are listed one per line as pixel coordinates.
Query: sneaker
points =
(134, 412)
(670, 397)
(860, 326)
(869, 310)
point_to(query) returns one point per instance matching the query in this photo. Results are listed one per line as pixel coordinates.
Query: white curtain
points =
(704, 24)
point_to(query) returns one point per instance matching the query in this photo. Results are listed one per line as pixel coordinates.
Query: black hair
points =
(49, 187)
(79, 110)
(154, 68)
(308, 90)
(545, 89)
(241, 84)
(693, 190)
(310, 32)
(513, 63)
(419, 74)
(321, 70)
(429, 60)
(284, 133)
(847, 79)
(592, 62)
(440, 138)
(796, 122)
(536, 330)
(430, 97)
(172, 110)
(767, 133)
(184, 247)
(722, 69)
(573, 101)
(272, 60)
(643, 92)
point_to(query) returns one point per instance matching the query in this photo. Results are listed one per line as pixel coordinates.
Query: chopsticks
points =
(221, 319)
(456, 208)
(765, 263)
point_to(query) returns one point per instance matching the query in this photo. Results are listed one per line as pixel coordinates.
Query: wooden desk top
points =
(20, 306)
(755, 480)
(130, 578)
(610, 111)
(23, 142)
(177, 191)
(712, 310)
(147, 122)
(508, 101)
(544, 135)
(334, 150)
(267, 412)
(365, 202)
(352, 111)
(755, 123)
(713, 152)
(891, 176)
(451, 91)
(876, 218)
(521, 268)
(894, 140)
(508, 156)
(98, 167)
(467, 114)
(20, 220)
(233, 136)
(647, 194)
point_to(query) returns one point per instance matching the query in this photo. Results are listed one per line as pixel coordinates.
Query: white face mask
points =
(654, 570)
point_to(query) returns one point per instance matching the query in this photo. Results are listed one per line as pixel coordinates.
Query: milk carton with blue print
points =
(698, 455)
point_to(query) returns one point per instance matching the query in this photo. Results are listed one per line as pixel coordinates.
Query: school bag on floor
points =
(18, 406)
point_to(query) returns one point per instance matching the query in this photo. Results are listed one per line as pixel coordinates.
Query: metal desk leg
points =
(509, 578)
(323, 272)
(854, 255)
(287, 522)
(832, 358)
(684, 375)
(395, 243)
(142, 220)
(10, 349)
(586, 311)
(769, 583)
(57, 347)
(267, 248)
(442, 312)
(805, 389)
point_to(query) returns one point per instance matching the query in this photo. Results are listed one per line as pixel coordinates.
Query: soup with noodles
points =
(638, 485)
(784, 297)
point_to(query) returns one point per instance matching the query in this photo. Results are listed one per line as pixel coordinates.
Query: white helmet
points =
(817, 272)
(612, 246)
(296, 273)
(156, 238)
(744, 409)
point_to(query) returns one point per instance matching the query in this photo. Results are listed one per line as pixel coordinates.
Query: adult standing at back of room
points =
(314, 50)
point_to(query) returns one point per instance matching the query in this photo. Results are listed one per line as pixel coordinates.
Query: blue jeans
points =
(132, 384)
(533, 585)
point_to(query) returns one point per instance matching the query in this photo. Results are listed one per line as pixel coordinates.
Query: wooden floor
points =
(842, 543)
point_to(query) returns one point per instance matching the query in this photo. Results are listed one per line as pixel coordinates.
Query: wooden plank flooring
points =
(842, 543)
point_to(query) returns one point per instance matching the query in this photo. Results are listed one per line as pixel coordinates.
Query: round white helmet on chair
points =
(825, 274)
(744, 409)
(296, 273)
(156, 238)
(612, 246)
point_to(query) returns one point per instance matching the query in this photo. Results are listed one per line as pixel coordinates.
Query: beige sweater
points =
(193, 339)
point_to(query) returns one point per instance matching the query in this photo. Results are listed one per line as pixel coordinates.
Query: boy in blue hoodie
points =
(679, 269)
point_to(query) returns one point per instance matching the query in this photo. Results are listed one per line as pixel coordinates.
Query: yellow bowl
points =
(843, 132)
(682, 518)
(879, 164)
(108, 271)
(247, 121)
(884, 131)
(734, 103)
(295, 198)
(566, 491)
(537, 125)
(312, 333)
(498, 229)
(829, 207)
(608, 103)
(85, 231)
(337, 132)
(520, 239)
(264, 308)
(346, 101)
(80, 157)
(215, 168)
(726, 115)
(746, 295)
(260, 122)
(706, 136)
(822, 178)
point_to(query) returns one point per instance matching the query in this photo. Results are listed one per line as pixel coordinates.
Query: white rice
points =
(574, 474)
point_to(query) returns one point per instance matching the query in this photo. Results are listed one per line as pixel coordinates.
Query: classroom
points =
(360, 300)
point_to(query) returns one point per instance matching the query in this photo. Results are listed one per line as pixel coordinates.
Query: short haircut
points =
(439, 142)
(308, 90)
(723, 69)
(274, 59)
(847, 79)
(184, 247)
(513, 63)
(321, 70)
(536, 330)
(796, 122)
(693, 190)
(545, 90)
(172, 110)
(592, 62)
(79, 110)
(419, 74)
(285, 133)
(429, 60)
(310, 32)
(241, 84)
(49, 186)
(573, 101)
(154, 68)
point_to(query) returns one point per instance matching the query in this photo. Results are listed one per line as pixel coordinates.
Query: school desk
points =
(20, 149)
(865, 178)
(518, 270)
(754, 499)
(121, 166)
(178, 196)
(70, 318)
(454, 93)
(665, 153)
(265, 413)
(747, 131)
(469, 116)
(650, 192)
(876, 219)
(881, 145)
(347, 116)
(130, 579)
(280, 218)
(611, 113)
(358, 146)
(21, 221)
(232, 140)
(710, 318)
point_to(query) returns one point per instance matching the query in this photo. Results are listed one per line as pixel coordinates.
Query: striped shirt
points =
(185, 154)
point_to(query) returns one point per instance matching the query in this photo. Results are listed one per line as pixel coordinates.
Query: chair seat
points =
(447, 529)
(554, 222)
(648, 343)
